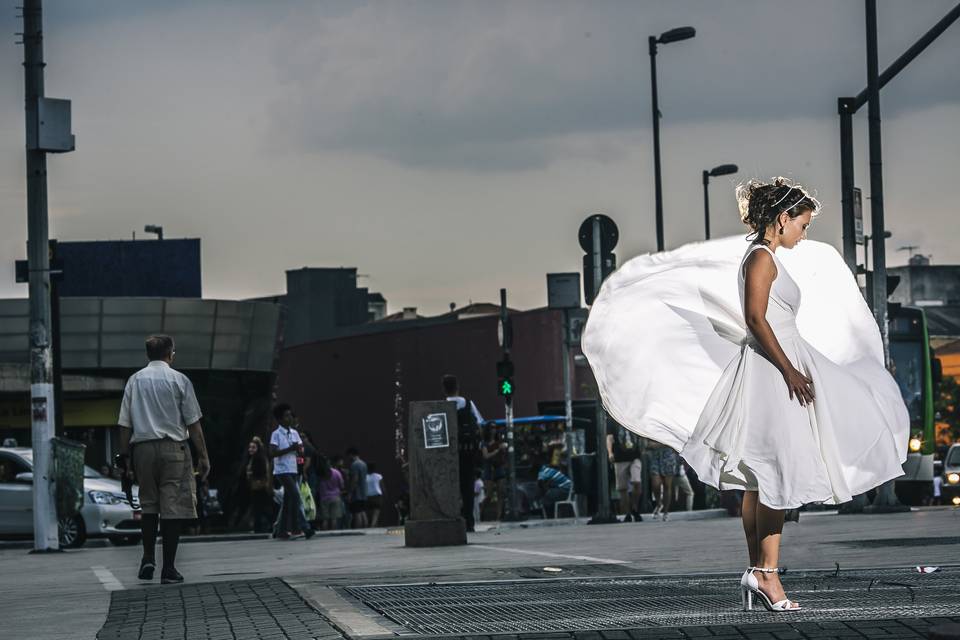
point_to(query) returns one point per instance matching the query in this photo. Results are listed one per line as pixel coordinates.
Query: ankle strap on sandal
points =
(764, 569)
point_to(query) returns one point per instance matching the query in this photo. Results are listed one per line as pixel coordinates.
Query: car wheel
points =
(124, 541)
(72, 532)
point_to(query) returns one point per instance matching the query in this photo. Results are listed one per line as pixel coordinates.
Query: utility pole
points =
(876, 181)
(505, 376)
(42, 402)
(603, 482)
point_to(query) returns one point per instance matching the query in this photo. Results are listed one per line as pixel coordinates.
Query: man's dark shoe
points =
(637, 517)
(627, 518)
(146, 569)
(170, 576)
(309, 533)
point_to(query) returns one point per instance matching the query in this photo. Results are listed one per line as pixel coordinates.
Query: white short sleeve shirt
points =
(282, 438)
(158, 402)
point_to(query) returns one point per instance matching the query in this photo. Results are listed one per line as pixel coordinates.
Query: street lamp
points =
(722, 170)
(673, 35)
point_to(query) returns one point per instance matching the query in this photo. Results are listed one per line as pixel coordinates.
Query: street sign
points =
(563, 290)
(858, 215)
(609, 234)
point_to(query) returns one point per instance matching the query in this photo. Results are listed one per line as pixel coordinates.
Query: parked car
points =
(105, 511)
(951, 475)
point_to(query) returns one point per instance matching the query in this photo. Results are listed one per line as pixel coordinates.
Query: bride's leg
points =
(749, 515)
(769, 529)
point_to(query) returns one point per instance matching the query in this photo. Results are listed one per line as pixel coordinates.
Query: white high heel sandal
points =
(750, 590)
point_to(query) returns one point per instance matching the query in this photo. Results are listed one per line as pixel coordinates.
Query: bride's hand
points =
(799, 385)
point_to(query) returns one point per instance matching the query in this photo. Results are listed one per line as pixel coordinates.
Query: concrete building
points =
(323, 303)
(113, 295)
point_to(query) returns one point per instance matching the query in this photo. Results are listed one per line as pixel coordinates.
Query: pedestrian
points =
(330, 495)
(158, 414)
(357, 488)
(285, 447)
(937, 497)
(346, 518)
(683, 488)
(664, 463)
(495, 471)
(374, 495)
(259, 485)
(788, 413)
(553, 485)
(624, 450)
(478, 496)
(308, 468)
(469, 441)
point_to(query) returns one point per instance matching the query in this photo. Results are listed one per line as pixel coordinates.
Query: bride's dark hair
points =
(761, 203)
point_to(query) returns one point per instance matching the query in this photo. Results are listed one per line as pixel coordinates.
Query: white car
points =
(105, 511)
(951, 475)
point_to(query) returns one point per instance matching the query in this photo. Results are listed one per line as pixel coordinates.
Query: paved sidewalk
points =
(242, 610)
(270, 609)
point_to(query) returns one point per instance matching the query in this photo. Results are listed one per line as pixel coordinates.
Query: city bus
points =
(917, 373)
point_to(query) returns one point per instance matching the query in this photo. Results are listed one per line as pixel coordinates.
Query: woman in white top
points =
(792, 406)
(374, 494)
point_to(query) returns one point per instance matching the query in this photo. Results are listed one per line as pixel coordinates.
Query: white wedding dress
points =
(667, 343)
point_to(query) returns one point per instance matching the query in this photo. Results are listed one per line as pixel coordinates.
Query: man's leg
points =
(170, 530)
(142, 459)
(148, 530)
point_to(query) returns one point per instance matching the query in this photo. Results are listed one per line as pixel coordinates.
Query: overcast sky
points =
(447, 149)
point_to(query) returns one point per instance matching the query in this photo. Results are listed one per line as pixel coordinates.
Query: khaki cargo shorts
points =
(164, 470)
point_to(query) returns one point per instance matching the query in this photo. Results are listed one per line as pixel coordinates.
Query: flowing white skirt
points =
(666, 342)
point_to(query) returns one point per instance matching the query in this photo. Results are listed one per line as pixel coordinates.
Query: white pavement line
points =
(107, 579)
(550, 555)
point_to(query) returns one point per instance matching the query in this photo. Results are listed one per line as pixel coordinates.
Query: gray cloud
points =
(481, 85)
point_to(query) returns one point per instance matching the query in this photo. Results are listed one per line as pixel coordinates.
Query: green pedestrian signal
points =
(506, 387)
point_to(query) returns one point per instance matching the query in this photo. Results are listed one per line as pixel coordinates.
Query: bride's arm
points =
(759, 273)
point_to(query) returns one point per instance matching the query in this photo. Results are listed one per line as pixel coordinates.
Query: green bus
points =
(917, 373)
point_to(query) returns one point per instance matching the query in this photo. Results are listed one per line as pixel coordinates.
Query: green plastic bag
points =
(309, 505)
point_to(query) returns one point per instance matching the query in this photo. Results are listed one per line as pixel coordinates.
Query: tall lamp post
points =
(673, 35)
(722, 170)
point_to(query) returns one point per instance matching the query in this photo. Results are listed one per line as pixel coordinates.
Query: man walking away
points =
(469, 443)
(285, 444)
(159, 412)
(357, 492)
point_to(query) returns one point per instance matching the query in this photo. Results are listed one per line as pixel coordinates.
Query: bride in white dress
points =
(707, 350)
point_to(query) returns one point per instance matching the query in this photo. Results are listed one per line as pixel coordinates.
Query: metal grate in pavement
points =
(661, 601)
(237, 610)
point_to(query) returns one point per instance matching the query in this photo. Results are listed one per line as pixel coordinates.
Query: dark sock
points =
(170, 530)
(148, 528)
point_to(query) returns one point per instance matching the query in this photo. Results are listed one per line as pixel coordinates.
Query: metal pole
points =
(886, 496)
(508, 419)
(706, 204)
(656, 142)
(603, 486)
(41, 387)
(846, 183)
(890, 72)
(876, 182)
(565, 354)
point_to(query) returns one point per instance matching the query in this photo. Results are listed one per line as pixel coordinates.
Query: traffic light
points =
(505, 385)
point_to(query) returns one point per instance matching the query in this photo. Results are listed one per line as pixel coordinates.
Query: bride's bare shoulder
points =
(759, 264)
